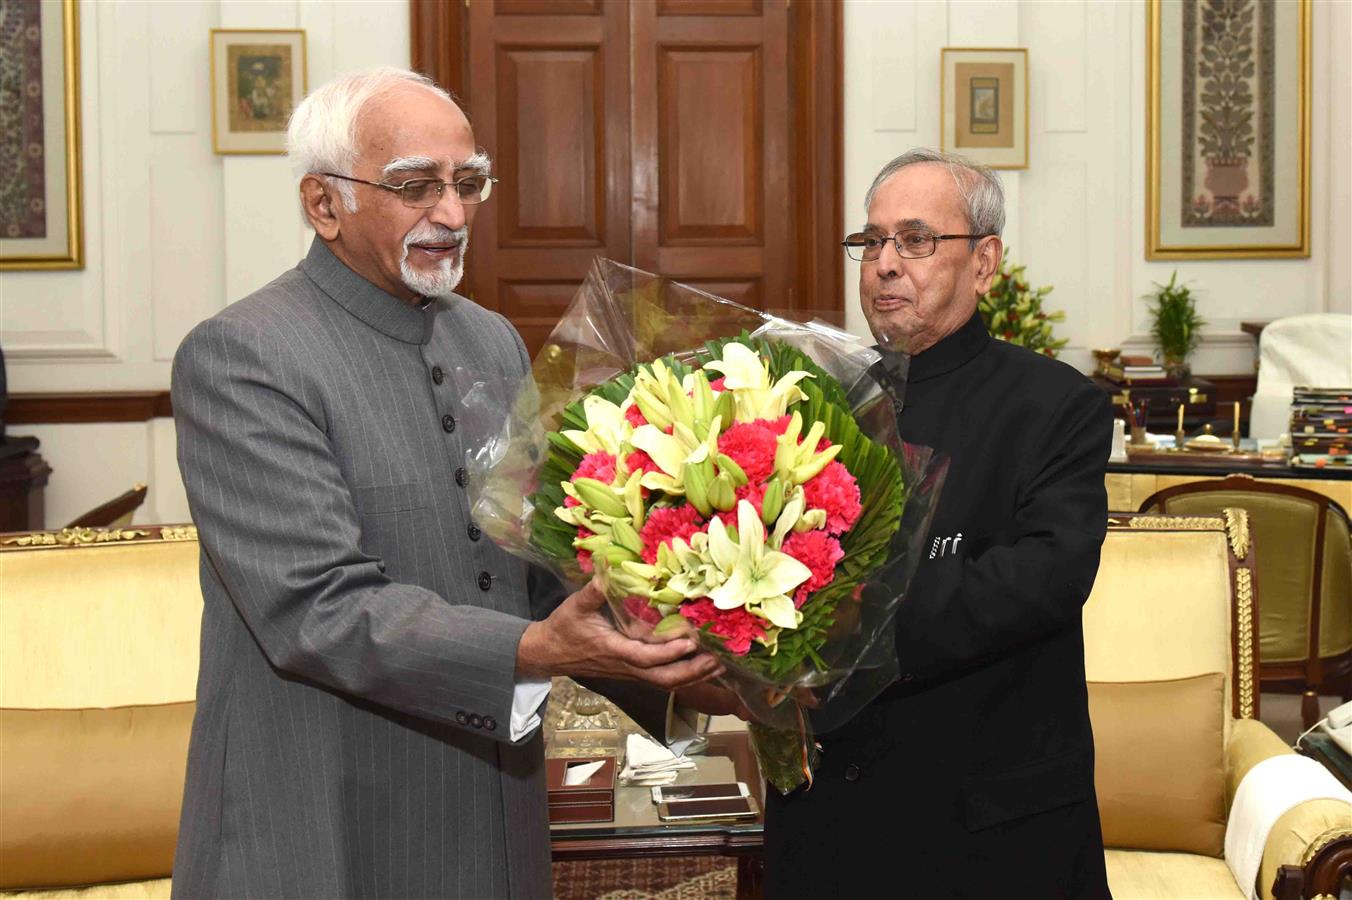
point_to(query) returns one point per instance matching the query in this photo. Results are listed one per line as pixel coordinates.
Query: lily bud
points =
(722, 494)
(726, 410)
(681, 408)
(813, 466)
(812, 519)
(617, 555)
(696, 488)
(633, 498)
(773, 502)
(599, 497)
(729, 465)
(597, 543)
(624, 534)
(653, 410)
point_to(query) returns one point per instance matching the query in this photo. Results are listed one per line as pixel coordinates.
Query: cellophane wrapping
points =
(803, 654)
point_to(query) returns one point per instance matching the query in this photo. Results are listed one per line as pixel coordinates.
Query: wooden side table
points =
(23, 477)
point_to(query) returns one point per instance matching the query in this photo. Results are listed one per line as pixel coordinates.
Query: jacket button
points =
(448, 423)
(907, 677)
(851, 772)
(438, 376)
(474, 532)
(490, 723)
(461, 477)
(476, 720)
(485, 581)
(461, 718)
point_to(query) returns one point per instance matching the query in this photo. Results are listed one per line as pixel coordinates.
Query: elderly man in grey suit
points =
(372, 671)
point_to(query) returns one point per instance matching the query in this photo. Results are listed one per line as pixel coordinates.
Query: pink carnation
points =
(819, 552)
(737, 627)
(834, 490)
(635, 416)
(717, 384)
(663, 524)
(752, 446)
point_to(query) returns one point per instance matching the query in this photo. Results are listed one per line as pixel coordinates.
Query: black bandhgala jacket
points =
(973, 774)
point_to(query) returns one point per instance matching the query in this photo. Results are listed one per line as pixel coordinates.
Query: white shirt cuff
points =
(527, 699)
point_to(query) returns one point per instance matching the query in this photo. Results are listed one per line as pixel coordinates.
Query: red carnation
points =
(834, 490)
(599, 465)
(584, 557)
(717, 384)
(737, 627)
(640, 461)
(665, 523)
(752, 446)
(641, 609)
(635, 416)
(819, 552)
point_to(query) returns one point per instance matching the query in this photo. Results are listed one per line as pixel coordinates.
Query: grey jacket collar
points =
(384, 312)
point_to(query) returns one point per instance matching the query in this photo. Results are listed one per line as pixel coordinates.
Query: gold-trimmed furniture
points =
(1304, 572)
(1171, 660)
(98, 673)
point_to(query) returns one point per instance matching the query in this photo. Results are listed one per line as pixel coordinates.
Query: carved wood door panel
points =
(694, 138)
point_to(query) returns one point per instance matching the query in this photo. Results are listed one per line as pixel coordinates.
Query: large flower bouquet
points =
(733, 485)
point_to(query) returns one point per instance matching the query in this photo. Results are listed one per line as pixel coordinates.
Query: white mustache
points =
(436, 234)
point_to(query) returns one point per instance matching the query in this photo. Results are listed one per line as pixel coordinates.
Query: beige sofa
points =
(98, 667)
(1171, 657)
(98, 671)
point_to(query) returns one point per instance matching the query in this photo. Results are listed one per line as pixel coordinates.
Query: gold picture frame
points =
(41, 205)
(983, 104)
(1240, 189)
(258, 76)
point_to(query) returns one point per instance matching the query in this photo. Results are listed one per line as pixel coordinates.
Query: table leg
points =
(750, 875)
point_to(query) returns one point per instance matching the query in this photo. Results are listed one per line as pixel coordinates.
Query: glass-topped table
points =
(636, 830)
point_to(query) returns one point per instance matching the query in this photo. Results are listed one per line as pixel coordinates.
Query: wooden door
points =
(699, 139)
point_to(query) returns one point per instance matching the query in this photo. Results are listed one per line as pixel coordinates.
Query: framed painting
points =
(40, 202)
(257, 78)
(1228, 129)
(983, 105)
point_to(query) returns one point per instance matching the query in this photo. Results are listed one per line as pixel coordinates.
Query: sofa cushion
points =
(1160, 763)
(90, 795)
(1143, 875)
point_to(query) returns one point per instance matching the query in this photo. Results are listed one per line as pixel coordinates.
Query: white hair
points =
(982, 193)
(322, 134)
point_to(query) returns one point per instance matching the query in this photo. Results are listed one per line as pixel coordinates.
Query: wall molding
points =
(87, 408)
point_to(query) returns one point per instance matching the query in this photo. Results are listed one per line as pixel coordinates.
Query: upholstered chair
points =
(98, 674)
(1181, 761)
(1304, 568)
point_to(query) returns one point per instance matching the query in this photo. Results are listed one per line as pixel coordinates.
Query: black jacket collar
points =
(952, 352)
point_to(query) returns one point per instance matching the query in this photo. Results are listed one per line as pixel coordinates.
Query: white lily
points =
(760, 578)
(747, 375)
(672, 451)
(607, 428)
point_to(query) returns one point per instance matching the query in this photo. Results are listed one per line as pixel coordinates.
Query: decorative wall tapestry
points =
(1227, 129)
(40, 209)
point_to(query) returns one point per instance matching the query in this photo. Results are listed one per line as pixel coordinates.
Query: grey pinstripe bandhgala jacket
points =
(358, 637)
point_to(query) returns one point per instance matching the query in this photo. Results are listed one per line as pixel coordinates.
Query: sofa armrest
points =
(1305, 837)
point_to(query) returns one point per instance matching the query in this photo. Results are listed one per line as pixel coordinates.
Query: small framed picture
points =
(983, 105)
(257, 78)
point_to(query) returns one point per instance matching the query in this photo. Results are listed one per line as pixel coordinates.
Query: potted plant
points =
(1013, 312)
(1175, 325)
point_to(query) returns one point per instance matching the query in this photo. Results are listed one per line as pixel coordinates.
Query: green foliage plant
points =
(1175, 324)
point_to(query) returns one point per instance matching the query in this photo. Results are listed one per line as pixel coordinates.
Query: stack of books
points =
(1133, 370)
(1321, 427)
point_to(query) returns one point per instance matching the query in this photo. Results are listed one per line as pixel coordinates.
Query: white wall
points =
(1077, 213)
(174, 232)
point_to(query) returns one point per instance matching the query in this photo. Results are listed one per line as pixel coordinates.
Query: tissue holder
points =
(593, 801)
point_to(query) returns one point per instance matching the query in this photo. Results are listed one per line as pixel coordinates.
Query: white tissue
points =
(581, 773)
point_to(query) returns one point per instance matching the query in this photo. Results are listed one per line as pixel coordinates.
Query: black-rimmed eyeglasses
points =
(911, 244)
(424, 193)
